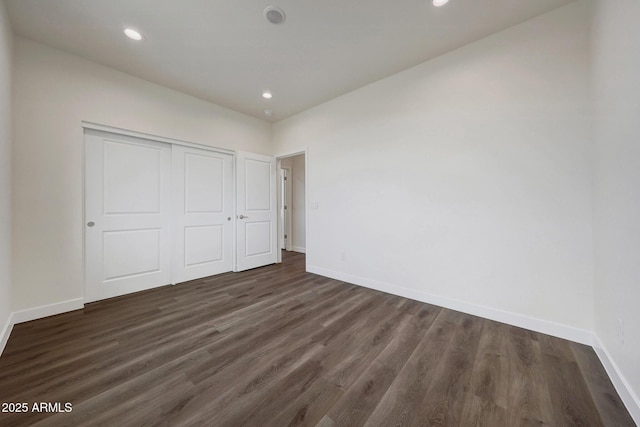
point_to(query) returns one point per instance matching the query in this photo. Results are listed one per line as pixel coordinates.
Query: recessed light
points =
(274, 14)
(267, 95)
(438, 3)
(133, 34)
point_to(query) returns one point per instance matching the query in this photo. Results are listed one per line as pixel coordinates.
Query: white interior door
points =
(203, 209)
(127, 215)
(257, 211)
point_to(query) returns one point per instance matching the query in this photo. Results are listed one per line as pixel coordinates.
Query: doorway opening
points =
(292, 212)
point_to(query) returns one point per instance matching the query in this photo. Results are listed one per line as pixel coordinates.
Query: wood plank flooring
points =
(277, 346)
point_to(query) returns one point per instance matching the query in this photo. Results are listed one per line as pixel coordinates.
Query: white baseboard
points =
(571, 333)
(300, 249)
(629, 398)
(37, 313)
(6, 332)
(47, 310)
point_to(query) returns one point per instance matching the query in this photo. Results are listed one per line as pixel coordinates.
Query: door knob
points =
(91, 224)
(243, 217)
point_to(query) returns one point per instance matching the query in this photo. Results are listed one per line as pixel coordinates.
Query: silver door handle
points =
(243, 217)
(91, 224)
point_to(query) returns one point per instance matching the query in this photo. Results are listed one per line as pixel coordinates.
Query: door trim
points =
(304, 151)
(152, 137)
(285, 215)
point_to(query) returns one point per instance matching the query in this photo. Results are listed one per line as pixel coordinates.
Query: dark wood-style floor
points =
(277, 346)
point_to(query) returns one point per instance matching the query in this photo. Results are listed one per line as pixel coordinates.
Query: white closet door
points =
(256, 240)
(127, 215)
(203, 209)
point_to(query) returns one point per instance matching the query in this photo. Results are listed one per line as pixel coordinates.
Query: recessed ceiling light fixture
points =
(438, 3)
(267, 95)
(274, 14)
(133, 34)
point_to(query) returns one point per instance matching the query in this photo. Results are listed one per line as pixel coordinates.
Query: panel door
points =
(257, 212)
(127, 215)
(203, 211)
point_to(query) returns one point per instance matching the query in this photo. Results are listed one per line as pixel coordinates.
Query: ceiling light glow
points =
(133, 34)
(438, 3)
(267, 95)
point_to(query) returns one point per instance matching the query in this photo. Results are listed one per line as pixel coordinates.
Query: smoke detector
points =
(274, 14)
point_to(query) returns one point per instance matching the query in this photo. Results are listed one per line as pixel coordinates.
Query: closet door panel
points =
(203, 211)
(127, 215)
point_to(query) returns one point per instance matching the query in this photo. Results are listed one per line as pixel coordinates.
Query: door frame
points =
(152, 137)
(303, 151)
(285, 215)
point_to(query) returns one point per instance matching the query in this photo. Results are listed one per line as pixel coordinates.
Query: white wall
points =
(617, 185)
(298, 241)
(53, 93)
(5, 170)
(464, 180)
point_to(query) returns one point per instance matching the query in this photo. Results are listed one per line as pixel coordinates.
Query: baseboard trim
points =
(47, 310)
(37, 313)
(629, 398)
(300, 249)
(582, 336)
(570, 333)
(6, 333)
(622, 386)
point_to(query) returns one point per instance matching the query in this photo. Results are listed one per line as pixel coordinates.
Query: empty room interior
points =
(227, 213)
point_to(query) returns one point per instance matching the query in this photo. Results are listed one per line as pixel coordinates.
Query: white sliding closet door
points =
(257, 239)
(203, 210)
(158, 213)
(127, 215)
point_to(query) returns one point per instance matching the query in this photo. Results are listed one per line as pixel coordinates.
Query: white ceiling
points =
(224, 51)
